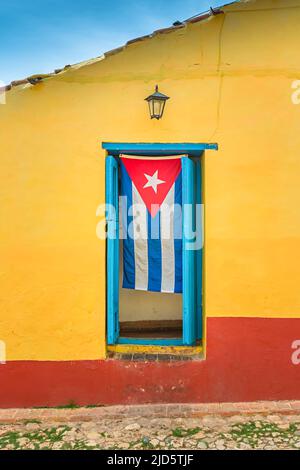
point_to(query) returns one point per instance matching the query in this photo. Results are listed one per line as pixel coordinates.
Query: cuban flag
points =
(151, 224)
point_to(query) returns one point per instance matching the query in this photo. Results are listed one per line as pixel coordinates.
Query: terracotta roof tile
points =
(5, 88)
(114, 51)
(139, 39)
(19, 82)
(170, 29)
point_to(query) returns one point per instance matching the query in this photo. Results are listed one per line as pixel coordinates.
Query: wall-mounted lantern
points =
(157, 103)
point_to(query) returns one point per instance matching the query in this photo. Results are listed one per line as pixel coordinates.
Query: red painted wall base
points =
(248, 359)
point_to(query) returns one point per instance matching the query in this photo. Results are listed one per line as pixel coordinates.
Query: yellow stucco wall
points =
(230, 81)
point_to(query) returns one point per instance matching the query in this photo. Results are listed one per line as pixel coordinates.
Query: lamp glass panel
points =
(157, 107)
(150, 108)
(163, 108)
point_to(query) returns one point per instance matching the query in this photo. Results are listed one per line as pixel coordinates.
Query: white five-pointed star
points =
(153, 181)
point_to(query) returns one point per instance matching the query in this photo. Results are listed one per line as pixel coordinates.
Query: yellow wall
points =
(230, 82)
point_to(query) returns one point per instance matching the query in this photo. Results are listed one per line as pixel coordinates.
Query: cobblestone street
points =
(219, 432)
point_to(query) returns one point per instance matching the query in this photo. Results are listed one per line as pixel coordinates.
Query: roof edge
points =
(37, 78)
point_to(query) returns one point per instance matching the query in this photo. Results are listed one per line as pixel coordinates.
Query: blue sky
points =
(38, 36)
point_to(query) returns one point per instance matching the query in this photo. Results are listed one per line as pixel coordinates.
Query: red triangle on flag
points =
(153, 178)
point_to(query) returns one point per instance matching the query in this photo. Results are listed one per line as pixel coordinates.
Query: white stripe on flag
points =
(140, 240)
(167, 242)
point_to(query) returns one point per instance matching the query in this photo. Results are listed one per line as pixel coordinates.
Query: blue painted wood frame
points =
(199, 252)
(189, 251)
(192, 322)
(193, 150)
(112, 219)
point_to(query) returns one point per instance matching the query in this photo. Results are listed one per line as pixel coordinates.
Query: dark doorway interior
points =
(151, 329)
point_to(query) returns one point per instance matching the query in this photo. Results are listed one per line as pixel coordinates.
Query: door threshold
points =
(127, 349)
(150, 341)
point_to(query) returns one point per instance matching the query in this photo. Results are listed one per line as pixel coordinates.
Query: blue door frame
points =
(192, 261)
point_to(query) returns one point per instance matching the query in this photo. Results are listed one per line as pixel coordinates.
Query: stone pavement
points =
(261, 425)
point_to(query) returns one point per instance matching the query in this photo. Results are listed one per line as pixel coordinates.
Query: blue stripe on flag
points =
(178, 234)
(154, 253)
(128, 242)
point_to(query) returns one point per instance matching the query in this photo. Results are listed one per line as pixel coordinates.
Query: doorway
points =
(137, 315)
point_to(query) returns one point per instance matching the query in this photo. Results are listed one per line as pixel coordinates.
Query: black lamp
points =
(157, 103)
